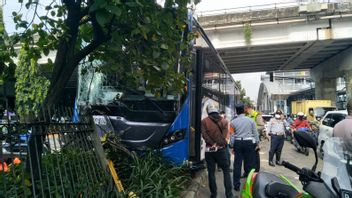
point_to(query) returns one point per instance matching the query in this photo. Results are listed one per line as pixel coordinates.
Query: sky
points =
(13, 6)
(250, 82)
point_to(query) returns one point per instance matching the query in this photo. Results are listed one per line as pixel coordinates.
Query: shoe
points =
(271, 163)
(278, 163)
(237, 187)
(244, 175)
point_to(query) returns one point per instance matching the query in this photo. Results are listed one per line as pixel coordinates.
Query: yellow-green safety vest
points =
(254, 116)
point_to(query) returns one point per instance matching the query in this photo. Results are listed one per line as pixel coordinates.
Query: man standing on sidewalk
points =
(214, 132)
(246, 142)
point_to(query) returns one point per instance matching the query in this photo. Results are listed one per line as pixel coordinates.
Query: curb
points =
(199, 179)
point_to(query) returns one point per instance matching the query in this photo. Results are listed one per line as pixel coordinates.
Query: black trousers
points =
(276, 145)
(228, 155)
(244, 152)
(220, 158)
(257, 161)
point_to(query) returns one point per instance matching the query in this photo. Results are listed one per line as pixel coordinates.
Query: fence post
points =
(97, 144)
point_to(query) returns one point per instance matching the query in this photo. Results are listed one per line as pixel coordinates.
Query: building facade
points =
(273, 94)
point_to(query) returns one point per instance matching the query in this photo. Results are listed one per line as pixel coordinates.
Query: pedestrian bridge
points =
(279, 36)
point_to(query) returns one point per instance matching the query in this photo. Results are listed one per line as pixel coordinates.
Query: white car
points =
(326, 127)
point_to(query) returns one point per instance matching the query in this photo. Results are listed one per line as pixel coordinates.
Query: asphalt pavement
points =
(289, 154)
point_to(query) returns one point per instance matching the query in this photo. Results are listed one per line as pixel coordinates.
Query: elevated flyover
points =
(279, 36)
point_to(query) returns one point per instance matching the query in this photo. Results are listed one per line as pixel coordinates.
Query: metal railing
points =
(272, 6)
(53, 157)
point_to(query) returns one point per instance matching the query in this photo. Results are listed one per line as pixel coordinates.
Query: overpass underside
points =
(286, 56)
(280, 38)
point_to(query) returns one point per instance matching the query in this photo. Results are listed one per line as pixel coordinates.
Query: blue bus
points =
(171, 122)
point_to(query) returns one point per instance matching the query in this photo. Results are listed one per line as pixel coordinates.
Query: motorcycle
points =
(288, 134)
(300, 148)
(268, 185)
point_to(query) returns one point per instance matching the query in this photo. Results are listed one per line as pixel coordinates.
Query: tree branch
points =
(89, 49)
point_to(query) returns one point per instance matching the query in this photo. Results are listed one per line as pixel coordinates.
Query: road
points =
(289, 154)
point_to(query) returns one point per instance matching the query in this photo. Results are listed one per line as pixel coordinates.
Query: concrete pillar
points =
(325, 89)
(348, 78)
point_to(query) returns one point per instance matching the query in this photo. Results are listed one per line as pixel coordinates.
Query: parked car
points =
(326, 127)
(319, 112)
(266, 119)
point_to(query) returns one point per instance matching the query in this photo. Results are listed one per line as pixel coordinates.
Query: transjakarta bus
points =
(170, 123)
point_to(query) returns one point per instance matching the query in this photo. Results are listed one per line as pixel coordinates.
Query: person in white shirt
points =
(276, 130)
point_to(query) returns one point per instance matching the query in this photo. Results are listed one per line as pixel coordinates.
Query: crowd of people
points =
(242, 136)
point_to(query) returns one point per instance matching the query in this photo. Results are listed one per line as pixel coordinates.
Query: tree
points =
(244, 99)
(7, 65)
(29, 98)
(139, 39)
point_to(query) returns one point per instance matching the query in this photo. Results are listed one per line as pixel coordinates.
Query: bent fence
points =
(53, 157)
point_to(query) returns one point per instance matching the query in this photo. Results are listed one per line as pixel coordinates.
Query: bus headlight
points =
(173, 137)
(165, 141)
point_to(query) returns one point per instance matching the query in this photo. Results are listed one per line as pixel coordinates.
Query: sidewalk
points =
(200, 183)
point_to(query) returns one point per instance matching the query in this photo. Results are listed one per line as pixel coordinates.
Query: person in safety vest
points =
(257, 118)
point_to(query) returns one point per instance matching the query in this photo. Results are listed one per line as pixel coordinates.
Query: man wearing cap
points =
(246, 140)
(214, 132)
(276, 130)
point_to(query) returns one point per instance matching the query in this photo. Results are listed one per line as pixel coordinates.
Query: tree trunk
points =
(67, 58)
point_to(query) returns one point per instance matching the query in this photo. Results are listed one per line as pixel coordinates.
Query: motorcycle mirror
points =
(336, 185)
(305, 140)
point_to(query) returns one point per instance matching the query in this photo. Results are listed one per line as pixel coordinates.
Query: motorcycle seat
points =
(276, 189)
(266, 183)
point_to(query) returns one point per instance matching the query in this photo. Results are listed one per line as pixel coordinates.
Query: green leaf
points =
(139, 3)
(156, 68)
(131, 4)
(114, 10)
(102, 17)
(135, 32)
(46, 51)
(147, 20)
(154, 37)
(164, 46)
(165, 66)
(98, 4)
(156, 54)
